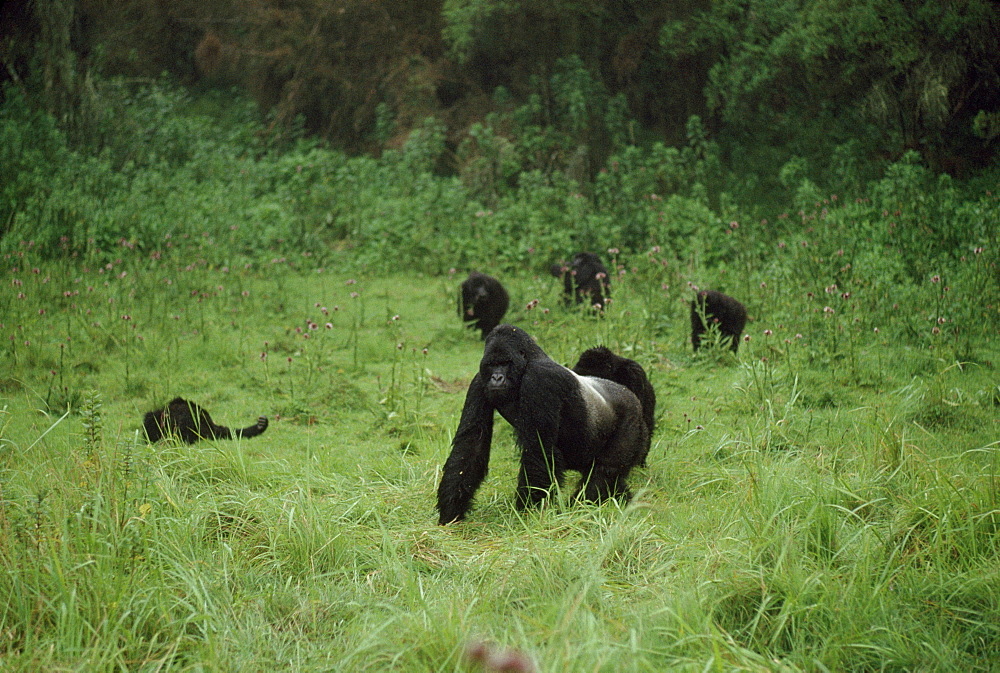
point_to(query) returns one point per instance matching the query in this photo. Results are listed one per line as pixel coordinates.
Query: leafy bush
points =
(32, 150)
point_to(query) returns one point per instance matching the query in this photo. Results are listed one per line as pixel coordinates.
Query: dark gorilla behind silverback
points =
(603, 363)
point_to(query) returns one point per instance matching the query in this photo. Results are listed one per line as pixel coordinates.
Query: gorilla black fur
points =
(721, 309)
(190, 422)
(482, 302)
(562, 421)
(602, 363)
(593, 283)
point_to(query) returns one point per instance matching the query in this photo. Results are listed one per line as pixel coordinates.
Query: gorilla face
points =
(504, 362)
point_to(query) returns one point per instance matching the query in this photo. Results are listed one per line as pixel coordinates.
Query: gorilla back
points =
(603, 363)
(562, 421)
(592, 281)
(728, 314)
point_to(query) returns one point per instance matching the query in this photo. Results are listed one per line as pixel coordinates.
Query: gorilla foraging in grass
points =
(482, 302)
(722, 310)
(190, 422)
(592, 281)
(562, 421)
(604, 364)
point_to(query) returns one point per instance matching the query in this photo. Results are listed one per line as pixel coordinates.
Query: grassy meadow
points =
(825, 500)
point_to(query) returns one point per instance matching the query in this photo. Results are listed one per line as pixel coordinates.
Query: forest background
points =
(742, 110)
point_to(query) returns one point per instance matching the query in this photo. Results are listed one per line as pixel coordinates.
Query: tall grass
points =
(826, 501)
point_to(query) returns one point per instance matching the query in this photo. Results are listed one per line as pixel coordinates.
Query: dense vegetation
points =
(827, 82)
(827, 500)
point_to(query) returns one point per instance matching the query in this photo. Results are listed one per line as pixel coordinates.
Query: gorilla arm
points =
(468, 463)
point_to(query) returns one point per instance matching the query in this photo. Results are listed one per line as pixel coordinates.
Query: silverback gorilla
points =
(592, 280)
(562, 421)
(190, 422)
(602, 363)
(482, 302)
(727, 313)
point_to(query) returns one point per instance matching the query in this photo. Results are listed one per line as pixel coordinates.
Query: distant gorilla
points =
(562, 421)
(190, 422)
(722, 310)
(593, 283)
(604, 364)
(483, 302)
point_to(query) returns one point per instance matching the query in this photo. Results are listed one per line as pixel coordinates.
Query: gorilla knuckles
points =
(562, 421)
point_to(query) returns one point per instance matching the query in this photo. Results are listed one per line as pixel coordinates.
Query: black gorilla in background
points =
(190, 422)
(482, 302)
(722, 310)
(562, 421)
(593, 283)
(602, 363)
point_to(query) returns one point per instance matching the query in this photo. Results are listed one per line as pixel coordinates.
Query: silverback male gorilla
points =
(562, 421)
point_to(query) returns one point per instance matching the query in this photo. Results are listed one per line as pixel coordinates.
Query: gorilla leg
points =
(251, 431)
(605, 482)
(626, 449)
(539, 471)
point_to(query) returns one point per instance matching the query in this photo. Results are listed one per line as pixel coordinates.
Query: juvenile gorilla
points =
(592, 280)
(482, 302)
(602, 363)
(562, 421)
(722, 310)
(190, 422)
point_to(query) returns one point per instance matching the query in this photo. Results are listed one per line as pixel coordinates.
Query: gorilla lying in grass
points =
(719, 309)
(592, 281)
(190, 422)
(562, 421)
(482, 302)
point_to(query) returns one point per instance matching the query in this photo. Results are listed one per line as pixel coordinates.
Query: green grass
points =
(826, 502)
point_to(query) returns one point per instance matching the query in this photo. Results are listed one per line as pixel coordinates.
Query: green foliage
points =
(32, 149)
(805, 77)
